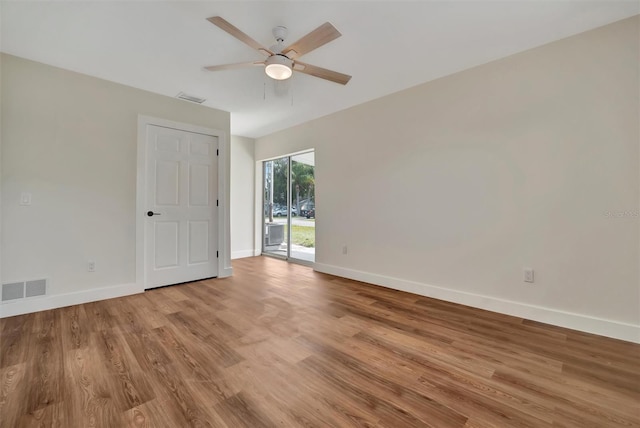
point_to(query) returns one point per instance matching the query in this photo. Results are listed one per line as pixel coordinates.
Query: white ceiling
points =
(387, 46)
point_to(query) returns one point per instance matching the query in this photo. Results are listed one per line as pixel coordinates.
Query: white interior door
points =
(180, 237)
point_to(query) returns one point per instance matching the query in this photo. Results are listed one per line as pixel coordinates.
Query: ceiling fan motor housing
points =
(280, 33)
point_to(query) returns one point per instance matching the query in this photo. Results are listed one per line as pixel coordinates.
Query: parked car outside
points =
(282, 212)
(311, 213)
(306, 208)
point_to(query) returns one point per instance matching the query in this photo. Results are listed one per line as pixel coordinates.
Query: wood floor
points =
(278, 345)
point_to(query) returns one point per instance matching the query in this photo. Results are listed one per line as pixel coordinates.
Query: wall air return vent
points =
(12, 291)
(191, 98)
(35, 288)
(20, 290)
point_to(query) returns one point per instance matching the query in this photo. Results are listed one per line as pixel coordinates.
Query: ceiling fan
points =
(283, 60)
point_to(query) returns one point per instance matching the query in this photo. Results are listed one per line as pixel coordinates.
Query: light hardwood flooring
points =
(278, 345)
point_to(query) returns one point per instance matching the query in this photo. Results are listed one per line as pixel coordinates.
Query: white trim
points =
(243, 253)
(224, 261)
(223, 273)
(224, 212)
(257, 252)
(585, 323)
(258, 224)
(43, 303)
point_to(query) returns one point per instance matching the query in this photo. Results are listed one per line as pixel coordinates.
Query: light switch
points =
(25, 198)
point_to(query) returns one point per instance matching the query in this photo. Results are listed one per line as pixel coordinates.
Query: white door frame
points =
(224, 259)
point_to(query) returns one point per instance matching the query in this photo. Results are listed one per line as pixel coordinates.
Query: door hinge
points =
(217, 152)
(217, 202)
(217, 254)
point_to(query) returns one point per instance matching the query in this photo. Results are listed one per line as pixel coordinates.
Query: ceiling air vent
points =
(191, 98)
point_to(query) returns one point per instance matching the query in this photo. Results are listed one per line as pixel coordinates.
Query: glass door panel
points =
(276, 202)
(303, 222)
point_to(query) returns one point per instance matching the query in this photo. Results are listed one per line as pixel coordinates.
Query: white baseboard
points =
(585, 323)
(43, 303)
(225, 272)
(243, 253)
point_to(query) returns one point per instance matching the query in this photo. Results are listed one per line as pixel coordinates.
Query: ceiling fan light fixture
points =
(278, 67)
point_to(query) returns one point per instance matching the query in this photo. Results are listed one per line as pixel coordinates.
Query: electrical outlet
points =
(527, 275)
(344, 249)
(91, 266)
(25, 198)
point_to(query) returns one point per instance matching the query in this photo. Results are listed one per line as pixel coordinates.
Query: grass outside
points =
(303, 235)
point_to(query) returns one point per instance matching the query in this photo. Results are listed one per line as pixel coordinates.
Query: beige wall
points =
(70, 140)
(242, 197)
(450, 188)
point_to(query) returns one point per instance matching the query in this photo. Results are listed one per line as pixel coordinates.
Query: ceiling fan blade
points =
(322, 73)
(318, 37)
(236, 65)
(238, 34)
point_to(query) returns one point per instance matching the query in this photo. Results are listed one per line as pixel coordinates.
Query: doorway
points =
(289, 207)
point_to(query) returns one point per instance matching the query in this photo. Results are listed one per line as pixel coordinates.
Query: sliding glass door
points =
(289, 207)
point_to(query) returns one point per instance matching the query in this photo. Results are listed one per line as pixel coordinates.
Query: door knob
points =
(151, 213)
